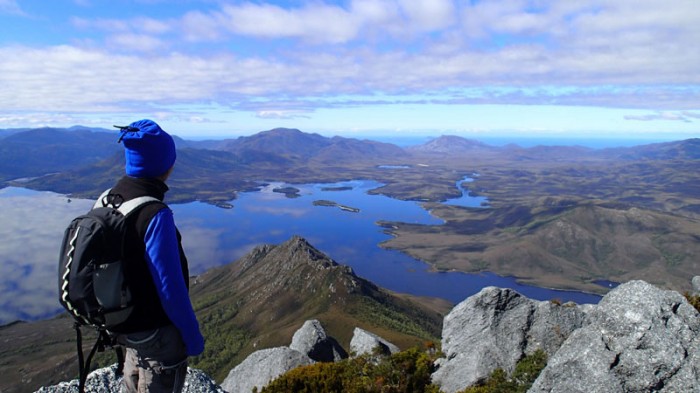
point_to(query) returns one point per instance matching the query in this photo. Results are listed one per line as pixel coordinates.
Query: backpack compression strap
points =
(103, 340)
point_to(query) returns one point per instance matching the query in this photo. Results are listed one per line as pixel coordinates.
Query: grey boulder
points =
(262, 367)
(311, 339)
(105, 380)
(364, 342)
(638, 339)
(495, 329)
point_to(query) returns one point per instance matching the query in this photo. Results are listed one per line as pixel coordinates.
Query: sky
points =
(220, 68)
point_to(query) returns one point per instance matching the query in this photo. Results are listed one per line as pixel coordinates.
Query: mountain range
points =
(598, 196)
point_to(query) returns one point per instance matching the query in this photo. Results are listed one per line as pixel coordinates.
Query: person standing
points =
(162, 330)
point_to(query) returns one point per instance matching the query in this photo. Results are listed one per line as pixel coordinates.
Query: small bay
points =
(351, 238)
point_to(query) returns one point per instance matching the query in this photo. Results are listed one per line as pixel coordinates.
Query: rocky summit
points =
(494, 329)
(105, 380)
(639, 338)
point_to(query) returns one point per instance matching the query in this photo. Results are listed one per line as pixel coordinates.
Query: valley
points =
(557, 216)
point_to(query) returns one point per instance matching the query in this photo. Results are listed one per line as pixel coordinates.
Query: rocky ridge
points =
(639, 338)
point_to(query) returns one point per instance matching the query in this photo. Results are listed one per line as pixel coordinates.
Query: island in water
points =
(323, 202)
(289, 192)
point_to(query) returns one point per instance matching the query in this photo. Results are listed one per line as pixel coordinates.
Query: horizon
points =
(498, 140)
(587, 70)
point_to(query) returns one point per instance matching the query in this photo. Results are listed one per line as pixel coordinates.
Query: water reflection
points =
(31, 231)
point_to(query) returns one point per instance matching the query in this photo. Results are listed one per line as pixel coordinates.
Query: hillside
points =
(256, 302)
(39, 151)
(283, 146)
(265, 296)
(565, 244)
(207, 171)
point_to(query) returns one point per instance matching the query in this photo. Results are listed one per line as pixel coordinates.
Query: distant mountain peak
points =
(284, 130)
(294, 266)
(287, 146)
(450, 144)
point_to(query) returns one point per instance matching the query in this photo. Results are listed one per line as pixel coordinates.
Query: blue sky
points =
(214, 68)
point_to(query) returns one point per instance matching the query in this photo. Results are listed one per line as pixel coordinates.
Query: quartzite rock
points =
(104, 380)
(263, 366)
(495, 329)
(311, 339)
(365, 342)
(638, 339)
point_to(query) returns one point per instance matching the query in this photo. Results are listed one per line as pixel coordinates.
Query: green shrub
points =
(694, 300)
(403, 372)
(525, 373)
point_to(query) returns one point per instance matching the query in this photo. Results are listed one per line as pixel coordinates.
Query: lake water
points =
(467, 199)
(33, 224)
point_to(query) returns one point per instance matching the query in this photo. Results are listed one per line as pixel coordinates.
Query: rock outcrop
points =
(105, 380)
(495, 329)
(696, 285)
(261, 367)
(311, 339)
(638, 339)
(310, 344)
(365, 342)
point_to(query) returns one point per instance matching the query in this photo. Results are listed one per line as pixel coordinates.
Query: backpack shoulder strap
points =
(98, 202)
(127, 207)
(130, 206)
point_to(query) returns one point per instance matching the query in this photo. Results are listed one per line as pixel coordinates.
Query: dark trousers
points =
(155, 361)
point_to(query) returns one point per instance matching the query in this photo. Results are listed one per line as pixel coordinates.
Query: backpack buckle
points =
(114, 200)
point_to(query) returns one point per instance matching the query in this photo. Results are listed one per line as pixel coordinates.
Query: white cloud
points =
(69, 79)
(668, 116)
(694, 115)
(197, 26)
(101, 24)
(429, 15)
(282, 114)
(363, 48)
(316, 23)
(139, 24)
(11, 7)
(136, 42)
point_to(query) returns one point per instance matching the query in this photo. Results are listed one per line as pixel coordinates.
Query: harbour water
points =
(33, 224)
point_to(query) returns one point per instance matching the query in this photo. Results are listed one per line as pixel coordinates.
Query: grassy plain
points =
(563, 221)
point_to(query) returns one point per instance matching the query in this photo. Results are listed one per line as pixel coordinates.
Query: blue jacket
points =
(157, 270)
(163, 257)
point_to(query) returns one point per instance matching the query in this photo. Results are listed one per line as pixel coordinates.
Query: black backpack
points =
(91, 281)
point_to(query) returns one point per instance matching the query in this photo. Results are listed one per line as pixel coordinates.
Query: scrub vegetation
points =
(408, 371)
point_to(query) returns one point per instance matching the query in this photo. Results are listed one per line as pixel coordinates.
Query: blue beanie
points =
(150, 151)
